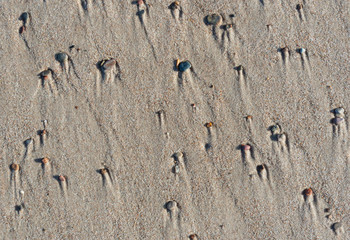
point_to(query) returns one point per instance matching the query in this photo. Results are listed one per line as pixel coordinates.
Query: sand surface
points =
(128, 151)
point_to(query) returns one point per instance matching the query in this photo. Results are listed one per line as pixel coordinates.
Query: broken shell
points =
(209, 124)
(307, 192)
(183, 66)
(171, 205)
(337, 120)
(61, 57)
(107, 65)
(45, 160)
(249, 117)
(14, 166)
(62, 178)
(214, 19)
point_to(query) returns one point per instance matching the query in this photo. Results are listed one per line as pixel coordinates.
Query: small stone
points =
(214, 19)
(45, 74)
(299, 6)
(61, 57)
(22, 29)
(227, 26)
(285, 50)
(307, 192)
(301, 50)
(107, 65)
(249, 117)
(209, 124)
(337, 120)
(21, 192)
(178, 155)
(171, 205)
(246, 147)
(14, 166)
(183, 66)
(339, 111)
(193, 237)
(24, 17)
(260, 168)
(43, 132)
(239, 68)
(62, 178)
(338, 228)
(275, 129)
(175, 5)
(45, 160)
(103, 171)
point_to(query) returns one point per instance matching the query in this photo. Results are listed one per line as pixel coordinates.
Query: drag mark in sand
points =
(64, 183)
(172, 224)
(176, 11)
(300, 10)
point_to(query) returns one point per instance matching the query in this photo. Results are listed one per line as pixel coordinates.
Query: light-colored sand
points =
(165, 174)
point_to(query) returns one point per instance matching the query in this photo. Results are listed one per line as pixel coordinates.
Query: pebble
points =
(209, 124)
(193, 237)
(107, 65)
(275, 129)
(339, 111)
(175, 5)
(171, 205)
(299, 6)
(25, 17)
(285, 50)
(183, 66)
(45, 160)
(214, 19)
(307, 192)
(45, 74)
(337, 120)
(62, 178)
(301, 50)
(178, 155)
(338, 228)
(239, 68)
(21, 192)
(103, 171)
(246, 147)
(14, 166)
(61, 57)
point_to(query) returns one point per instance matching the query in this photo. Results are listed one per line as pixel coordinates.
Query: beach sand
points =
(112, 141)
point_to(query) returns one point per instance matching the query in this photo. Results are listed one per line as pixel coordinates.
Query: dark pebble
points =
(183, 66)
(61, 57)
(214, 19)
(109, 64)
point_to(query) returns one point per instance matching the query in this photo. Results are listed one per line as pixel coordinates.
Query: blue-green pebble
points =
(183, 66)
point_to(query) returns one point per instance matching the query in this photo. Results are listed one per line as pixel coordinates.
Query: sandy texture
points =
(129, 154)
